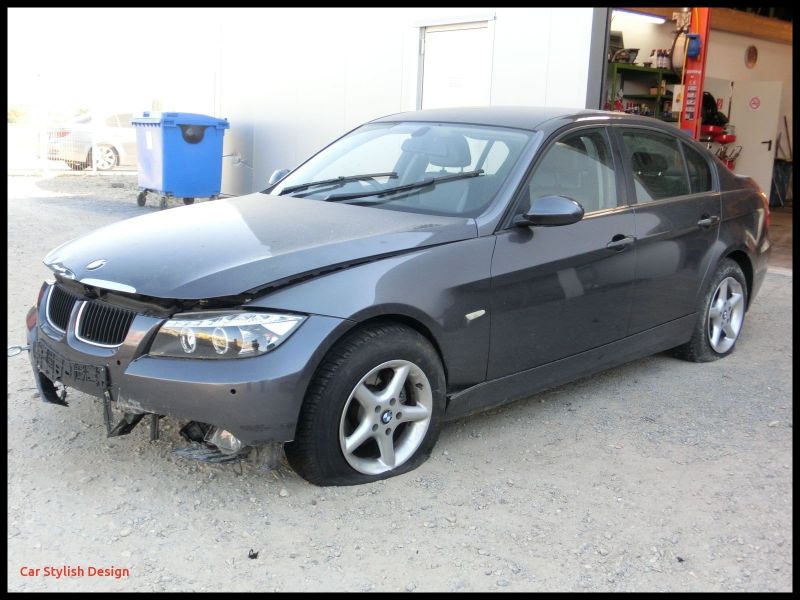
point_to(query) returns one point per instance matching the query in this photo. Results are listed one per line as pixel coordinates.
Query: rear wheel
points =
(188, 201)
(107, 158)
(721, 318)
(372, 411)
(141, 199)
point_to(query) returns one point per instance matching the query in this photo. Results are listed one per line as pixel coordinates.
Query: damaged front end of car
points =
(209, 363)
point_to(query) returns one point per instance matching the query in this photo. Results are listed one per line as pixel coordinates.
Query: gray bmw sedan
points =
(422, 267)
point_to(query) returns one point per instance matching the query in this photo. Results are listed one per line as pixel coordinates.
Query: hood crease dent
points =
(245, 245)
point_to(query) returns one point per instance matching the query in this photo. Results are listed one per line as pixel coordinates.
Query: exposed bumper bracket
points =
(126, 424)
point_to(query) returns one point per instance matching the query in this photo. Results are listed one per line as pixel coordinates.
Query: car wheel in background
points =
(141, 199)
(107, 158)
(162, 202)
(721, 318)
(188, 201)
(373, 409)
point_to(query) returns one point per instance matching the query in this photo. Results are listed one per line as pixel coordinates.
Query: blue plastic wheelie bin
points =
(180, 155)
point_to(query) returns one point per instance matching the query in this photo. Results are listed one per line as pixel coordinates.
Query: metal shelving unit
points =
(619, 72)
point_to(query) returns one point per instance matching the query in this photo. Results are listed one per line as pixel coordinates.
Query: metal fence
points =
(80, 141)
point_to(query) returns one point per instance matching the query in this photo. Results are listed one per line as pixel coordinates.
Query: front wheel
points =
(372, 411)
(721, 316)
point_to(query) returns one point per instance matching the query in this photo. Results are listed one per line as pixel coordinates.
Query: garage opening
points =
(724, 76)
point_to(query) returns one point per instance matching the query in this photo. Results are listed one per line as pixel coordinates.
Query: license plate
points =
(88, 378)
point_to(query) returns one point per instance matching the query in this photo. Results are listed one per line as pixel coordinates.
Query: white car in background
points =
(115, 142)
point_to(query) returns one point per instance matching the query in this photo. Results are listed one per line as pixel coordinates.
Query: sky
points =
(120, 59)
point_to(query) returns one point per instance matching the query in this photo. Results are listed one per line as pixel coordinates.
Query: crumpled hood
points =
(228, 247)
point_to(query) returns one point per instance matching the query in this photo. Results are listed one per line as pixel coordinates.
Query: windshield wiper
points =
(401, 188)
(341, 179)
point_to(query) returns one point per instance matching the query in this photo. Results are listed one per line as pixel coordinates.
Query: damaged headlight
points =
(230, 335)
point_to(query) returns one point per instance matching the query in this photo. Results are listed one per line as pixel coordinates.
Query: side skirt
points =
(525, 383)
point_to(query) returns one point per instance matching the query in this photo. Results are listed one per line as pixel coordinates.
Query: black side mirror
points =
(550, 211)
(278, 175)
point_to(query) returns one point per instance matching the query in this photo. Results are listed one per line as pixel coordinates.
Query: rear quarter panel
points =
(743, 225)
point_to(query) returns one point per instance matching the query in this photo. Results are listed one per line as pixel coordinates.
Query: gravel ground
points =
(658, 475)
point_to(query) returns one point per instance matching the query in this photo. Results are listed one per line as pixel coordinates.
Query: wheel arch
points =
(741, 258)
(409, 322)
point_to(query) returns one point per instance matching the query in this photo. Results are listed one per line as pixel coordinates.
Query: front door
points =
(677, 221)
(558, 291)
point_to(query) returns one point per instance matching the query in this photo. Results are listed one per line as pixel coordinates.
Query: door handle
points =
(619, 242)
(769, 145)
(708, 221)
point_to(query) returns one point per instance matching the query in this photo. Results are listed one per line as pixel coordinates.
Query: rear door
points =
(677, 212)
(557, 291)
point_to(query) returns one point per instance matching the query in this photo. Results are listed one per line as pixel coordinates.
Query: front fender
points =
(437, 287)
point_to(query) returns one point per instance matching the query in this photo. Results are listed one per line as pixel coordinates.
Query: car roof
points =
(524, 117)
(520, 117)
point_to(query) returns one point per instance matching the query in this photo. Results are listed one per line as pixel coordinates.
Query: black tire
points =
(162, 203)
(141, 199)
(699, 348)
(188, 201)
(316, 453)
(76, 166)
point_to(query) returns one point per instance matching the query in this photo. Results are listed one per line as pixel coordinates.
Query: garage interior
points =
(741, 94)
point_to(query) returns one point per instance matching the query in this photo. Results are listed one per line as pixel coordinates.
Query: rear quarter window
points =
(699, 170)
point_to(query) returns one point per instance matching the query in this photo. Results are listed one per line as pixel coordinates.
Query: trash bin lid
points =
(174, 119)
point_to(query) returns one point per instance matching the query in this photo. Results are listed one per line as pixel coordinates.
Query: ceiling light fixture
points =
(642, 17)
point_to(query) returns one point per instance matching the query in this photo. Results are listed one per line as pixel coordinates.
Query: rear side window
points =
(699, 171)
(657, 165)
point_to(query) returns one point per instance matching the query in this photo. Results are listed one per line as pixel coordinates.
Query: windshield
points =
(430, 168)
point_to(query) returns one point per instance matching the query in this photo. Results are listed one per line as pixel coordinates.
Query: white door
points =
(755, 112)
(457, 65)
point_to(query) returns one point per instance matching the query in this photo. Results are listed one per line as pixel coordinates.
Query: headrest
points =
(645, 163)
(564, 159)
(442, 149)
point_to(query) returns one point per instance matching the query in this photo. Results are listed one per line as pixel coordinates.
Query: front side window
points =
(656, 163)
(125, 120)
(445, 169)
(578, 166)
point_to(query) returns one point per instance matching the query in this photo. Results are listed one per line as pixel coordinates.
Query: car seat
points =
(443, 150)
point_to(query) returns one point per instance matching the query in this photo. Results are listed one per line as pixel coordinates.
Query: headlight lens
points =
(226, 335)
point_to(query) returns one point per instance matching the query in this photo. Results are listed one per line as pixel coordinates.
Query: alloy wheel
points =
(386, 417)
(725, 315)
(106, 158)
